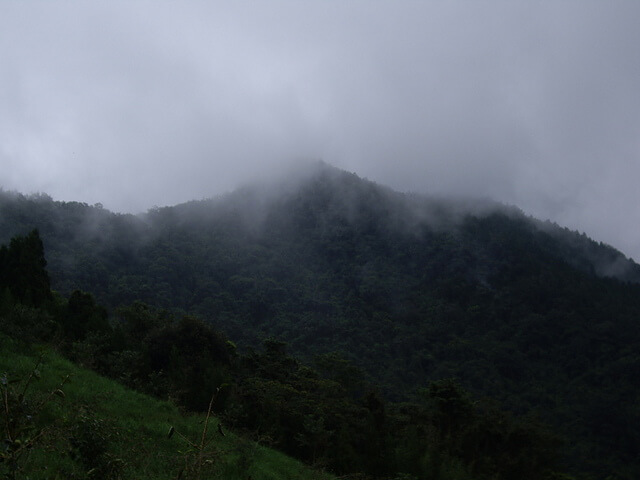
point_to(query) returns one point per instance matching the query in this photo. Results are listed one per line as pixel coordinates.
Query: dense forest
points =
(323, 414)
(375, 332)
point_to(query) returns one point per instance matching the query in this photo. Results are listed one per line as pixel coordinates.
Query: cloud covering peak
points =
(143, 103)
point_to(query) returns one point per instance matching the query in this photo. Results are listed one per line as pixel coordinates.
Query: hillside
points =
(325, 415)
(409, 288)
(96, 428)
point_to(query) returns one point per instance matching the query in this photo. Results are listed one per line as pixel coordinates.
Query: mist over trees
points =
(405, 288)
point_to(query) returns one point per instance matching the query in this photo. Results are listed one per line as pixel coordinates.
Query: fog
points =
(136, 104)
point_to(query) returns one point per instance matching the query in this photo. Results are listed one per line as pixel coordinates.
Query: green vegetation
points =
(378, 295)
(92, 427)
(334, 421)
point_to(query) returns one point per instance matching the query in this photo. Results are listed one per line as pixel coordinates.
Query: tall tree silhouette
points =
(23, 270)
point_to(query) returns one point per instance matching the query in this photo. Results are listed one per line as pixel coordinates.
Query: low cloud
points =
(154, 103)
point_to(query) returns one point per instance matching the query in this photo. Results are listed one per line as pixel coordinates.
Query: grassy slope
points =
(128, 430)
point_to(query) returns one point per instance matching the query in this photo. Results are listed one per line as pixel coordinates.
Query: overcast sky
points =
(141, 103)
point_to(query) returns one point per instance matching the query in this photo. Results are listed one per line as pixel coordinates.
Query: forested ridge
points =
(325, 415)
(406, 290)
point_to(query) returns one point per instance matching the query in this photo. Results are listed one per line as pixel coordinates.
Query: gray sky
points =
(141, 103)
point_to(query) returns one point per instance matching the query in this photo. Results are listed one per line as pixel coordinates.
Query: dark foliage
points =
(409, 290)
(23, 270)
(334, 421)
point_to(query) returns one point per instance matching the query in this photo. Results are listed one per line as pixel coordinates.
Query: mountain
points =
(410, 288)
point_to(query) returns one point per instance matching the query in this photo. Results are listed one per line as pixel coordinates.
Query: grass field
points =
(60, 421)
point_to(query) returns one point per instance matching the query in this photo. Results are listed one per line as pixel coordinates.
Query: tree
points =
(23, 270)
(83, 316)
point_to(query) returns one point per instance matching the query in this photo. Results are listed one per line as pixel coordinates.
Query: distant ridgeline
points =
(411, 289)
